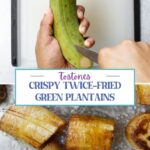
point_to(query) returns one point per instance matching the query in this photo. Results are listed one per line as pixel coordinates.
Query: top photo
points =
(74, 34)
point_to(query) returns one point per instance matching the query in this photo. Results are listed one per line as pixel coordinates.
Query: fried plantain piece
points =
(89, 133)
(138, 132)
(35, 125)
(52, 146)
(3, 92)
(143, 93)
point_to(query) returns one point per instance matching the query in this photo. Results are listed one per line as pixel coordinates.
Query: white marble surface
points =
(6, 70)
(145, 20)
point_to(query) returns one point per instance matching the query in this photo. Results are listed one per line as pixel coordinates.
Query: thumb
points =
(46, 28)
(101, 58)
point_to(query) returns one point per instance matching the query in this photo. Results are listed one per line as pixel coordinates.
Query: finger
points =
(89, 42)
(80, 12)
(143, 44)
(46, 25)
(84, 26)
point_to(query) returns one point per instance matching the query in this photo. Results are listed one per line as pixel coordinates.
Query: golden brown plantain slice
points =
(34, 125)
(89, 133)
(52, 146)
(3, 92)
(143, 93)
(138, 132)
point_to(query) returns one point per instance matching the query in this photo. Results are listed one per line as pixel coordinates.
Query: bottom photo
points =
(74, 128)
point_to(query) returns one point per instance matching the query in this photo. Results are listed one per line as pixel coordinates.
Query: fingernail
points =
(47, 12)
(45, 18)
(80, 14)
(46, 15)
(83, 30)
(87, 43)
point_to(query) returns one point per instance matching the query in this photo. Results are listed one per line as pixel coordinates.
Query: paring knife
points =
(88, 53)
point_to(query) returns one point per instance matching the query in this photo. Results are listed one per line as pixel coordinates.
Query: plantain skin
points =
(89, 133)
(34, 125)
(66, 31)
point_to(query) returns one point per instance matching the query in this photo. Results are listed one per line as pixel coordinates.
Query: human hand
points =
(48, 51)
(128, 54)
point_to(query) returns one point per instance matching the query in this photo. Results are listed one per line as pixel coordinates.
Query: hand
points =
(128, 54)
(48, 51)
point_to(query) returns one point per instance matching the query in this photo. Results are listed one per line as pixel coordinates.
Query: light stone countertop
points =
(145, 20)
